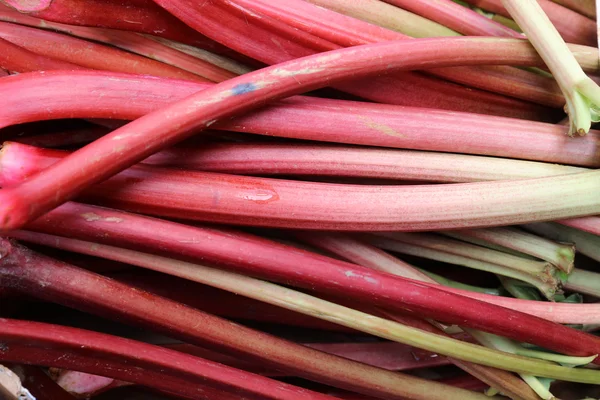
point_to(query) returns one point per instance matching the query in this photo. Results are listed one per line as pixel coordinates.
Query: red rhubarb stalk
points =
(19, 59)
(457, 17)
(153, 132)
(88, 54)
(31, 272)
(153, 366)
(129, 41)
(36, 97)
(241, 26)
(249, 255)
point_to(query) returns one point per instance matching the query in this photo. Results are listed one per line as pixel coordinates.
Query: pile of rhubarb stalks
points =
(299, 199)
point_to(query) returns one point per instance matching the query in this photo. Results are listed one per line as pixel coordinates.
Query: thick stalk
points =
(137, 362)
(581, 93)
(252, 33)
(279, 263)
(585, 243)
(99, 95)
(306, 304)
(459, 253)
(129, 41)
(153, 132)
(276, 202)
(31, 272)
(88, 54)
(347, 31)
(560, 255)
(456, 17)
(18, 159)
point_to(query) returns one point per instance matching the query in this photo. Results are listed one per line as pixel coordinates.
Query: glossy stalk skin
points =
(560, 255)
(129, 41)
(19, 59)
(361, 253)
(137, 362)
(20, 160)
(278, 263)
(251, 33)
(53, 280)
(573, 27)
(88, 54)
(347, 31)
(457, 17)
(153, 132)
(310, 305)
(140, 16)
(105, 95)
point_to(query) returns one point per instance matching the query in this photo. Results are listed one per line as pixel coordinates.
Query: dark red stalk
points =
(153, 132)
(347, 31)
(19, 59)
(99, 95)
(59, 282)
(573, 27)
(137, 362)
(456, 17)
(250, 255)
(272, 41)
(88, 54)
(139, 16)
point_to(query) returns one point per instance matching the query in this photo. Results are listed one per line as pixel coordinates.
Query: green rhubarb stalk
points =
(581, 93)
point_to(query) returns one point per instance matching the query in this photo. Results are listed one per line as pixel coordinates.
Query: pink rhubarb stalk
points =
(129, 41)
(88, 54)
(30, 272)
(249, 255)
(19, 59)
(36, 97)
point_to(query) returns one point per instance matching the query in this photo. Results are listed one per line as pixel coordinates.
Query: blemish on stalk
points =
(91, 217)
(379, 127)
(243, 88)
(261, 196)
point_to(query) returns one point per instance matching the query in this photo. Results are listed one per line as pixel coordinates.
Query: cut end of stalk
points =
(27, 6)
(583, 108)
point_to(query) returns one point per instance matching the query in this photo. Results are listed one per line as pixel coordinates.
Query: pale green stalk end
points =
(582, 95)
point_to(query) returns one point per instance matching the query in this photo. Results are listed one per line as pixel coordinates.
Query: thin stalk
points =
(249, 255)
(369, 256)
(538, 274)
(347, 31)
(19, 59)
(310, 305)
(129, 41)
(585, 243)
(252, 33)
(573, 28)
(137, 362)
(442, 280)
(276, 202)
(388, 16)
(31, 271)
(88, 54)
(560, 255)
(141, 16)
(153, 132)
(456, 17)
(288, 159)
(581, 93)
